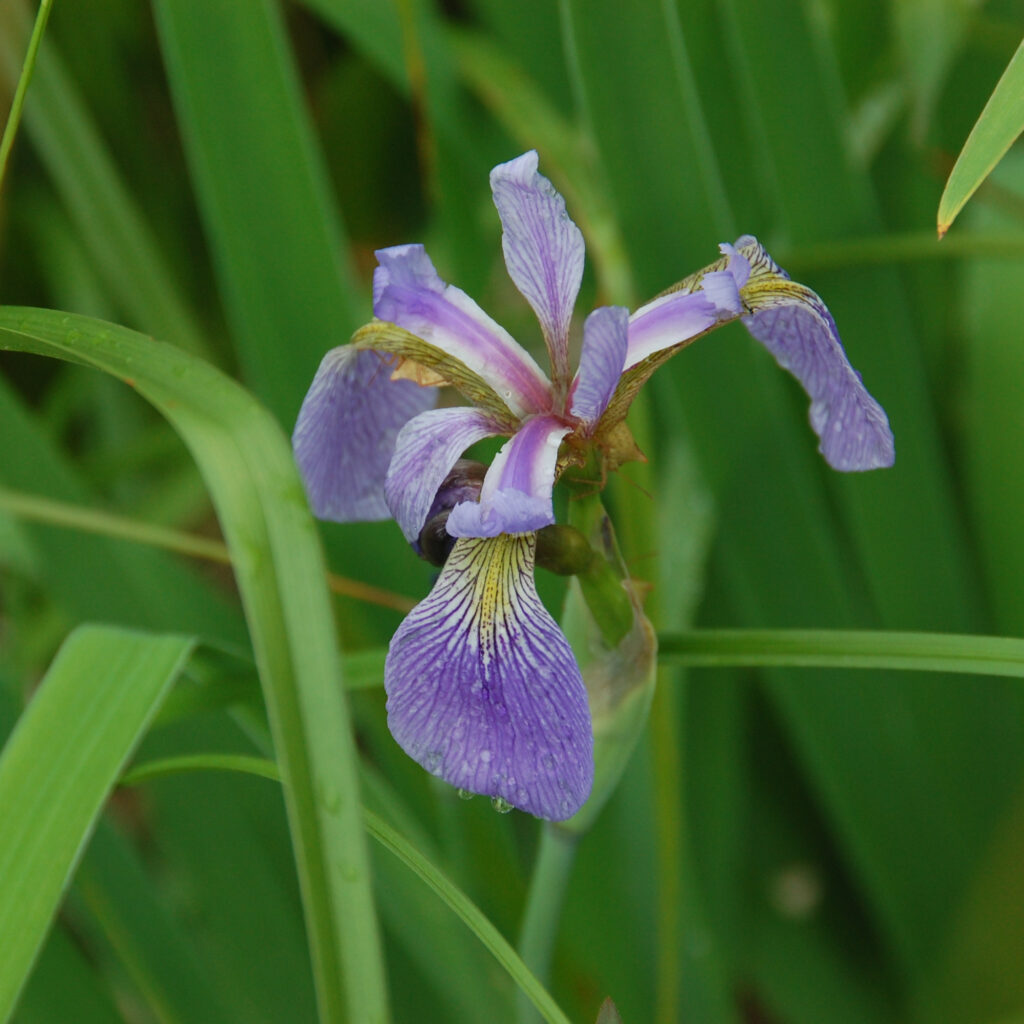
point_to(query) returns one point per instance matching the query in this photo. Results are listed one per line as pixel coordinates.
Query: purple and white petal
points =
(483, 689)
(426, 449)
(675, 317)
(802, 336)
(605, 343)
(516, 494)
(345, 433)
(543, 251)
(408, 291)
(794, 325)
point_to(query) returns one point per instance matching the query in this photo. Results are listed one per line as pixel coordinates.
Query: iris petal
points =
(407, 291)
(426, 449)
(543, 250)
(797, 328)
(345, 433)
(605, 342)
(516, 494)
(483, 689)
(670, 320)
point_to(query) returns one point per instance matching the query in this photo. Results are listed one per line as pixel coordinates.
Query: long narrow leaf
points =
(918, 652)
(1000, 123)
(58, 768)
(247, 465)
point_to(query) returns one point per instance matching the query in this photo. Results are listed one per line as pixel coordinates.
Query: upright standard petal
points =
(516, 494)
(426, 449)
(794, 325)
(345, 434)
(483, 689)
(543, 251)
(605, 343)
(407, 291)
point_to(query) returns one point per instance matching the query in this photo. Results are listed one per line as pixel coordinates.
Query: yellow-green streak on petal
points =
(390, 339)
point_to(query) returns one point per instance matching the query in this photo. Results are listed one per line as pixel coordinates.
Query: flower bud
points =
(463, 483)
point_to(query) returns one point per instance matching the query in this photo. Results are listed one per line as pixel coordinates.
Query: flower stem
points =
(556, 853)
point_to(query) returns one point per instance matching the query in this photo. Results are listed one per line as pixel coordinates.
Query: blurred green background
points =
(788, 845)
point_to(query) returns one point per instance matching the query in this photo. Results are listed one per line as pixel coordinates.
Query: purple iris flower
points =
(483, 689)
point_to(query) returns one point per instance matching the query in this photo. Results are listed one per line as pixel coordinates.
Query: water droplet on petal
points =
(501, 805)
(464, 794)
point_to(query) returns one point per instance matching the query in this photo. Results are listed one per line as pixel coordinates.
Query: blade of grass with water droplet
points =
(249, 470)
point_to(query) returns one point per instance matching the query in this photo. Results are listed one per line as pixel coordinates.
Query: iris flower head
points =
(482, 686)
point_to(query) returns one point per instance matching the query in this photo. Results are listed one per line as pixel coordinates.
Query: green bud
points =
(563, 550)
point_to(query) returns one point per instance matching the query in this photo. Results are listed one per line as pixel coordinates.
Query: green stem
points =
(556, 853)
(670, 842)
(822, 648)
(14, 118)
(38, 509)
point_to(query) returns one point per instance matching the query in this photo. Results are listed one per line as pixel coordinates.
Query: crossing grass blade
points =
(58, 768)
(247, 465)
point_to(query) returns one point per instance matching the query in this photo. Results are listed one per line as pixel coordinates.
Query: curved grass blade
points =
(247, 465)
(814, 648)
(391, 840)
(995, 131)
(58, 768)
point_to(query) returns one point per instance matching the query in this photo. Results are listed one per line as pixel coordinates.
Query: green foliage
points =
(792, 840)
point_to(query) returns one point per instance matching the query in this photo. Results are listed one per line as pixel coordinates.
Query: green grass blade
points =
(248, 467)
(392, 841)
(153, 945)
(470, 914)
(275, 236)
(14, 117)
(58, 768)
(809, 648)
(93, 577)
(1000, 123)
(106, 218)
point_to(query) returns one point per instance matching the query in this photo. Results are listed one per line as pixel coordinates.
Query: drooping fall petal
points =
(794, 325)
(345, 433)
(482, 686)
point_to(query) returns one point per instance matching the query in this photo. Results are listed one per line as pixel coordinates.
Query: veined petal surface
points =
(794, 325)
(671, 319)
(483, 689)
(345, 433)
(605, 343)
(516, 493)
(543, 250)
(425, 450)
(408, 291)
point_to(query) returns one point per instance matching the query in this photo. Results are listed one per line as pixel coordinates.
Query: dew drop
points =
(464, 794)
(485, 756)
(501, 805)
